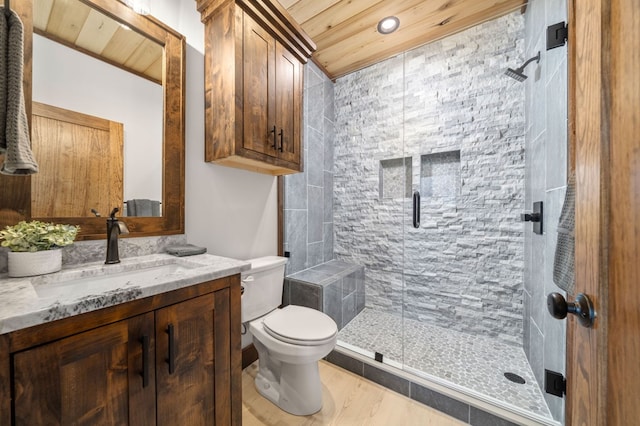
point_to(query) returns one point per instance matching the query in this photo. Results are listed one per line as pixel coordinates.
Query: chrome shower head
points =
(518, 74)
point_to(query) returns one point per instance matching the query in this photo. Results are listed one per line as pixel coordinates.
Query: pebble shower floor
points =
(477, 363)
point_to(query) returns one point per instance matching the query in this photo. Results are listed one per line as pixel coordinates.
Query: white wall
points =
(68, 79)
(231, 212)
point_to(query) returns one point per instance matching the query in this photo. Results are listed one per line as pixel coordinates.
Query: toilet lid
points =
(300, 325)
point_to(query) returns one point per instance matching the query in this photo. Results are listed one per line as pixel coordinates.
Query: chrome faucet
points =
(115, 227)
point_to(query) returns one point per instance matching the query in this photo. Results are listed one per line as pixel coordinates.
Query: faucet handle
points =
(113, 212)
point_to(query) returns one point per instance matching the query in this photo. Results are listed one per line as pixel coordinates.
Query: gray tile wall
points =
(546, 171)
(335, 288)
(308, 203)
(463, 268)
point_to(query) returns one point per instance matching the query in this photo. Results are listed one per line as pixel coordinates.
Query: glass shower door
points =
(371, 189)
(464, 252)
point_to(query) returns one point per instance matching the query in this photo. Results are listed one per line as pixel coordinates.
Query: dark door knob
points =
(581, 307)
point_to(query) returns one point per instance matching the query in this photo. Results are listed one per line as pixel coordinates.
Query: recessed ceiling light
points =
(388, 25)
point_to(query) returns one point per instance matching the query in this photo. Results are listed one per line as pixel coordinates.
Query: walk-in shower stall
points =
(423, 181)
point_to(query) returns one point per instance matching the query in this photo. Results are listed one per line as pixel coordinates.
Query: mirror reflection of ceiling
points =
(78, 26)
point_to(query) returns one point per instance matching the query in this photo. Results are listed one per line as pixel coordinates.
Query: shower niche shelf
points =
(440, 175)
(395, 178)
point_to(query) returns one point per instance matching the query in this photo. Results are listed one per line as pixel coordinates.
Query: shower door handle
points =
(416, 209)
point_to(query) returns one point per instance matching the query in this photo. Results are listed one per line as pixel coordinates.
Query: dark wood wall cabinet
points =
(170, 359)
(254, 56)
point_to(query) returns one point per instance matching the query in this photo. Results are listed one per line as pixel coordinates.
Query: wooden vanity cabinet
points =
(254, 56)
(177, 363)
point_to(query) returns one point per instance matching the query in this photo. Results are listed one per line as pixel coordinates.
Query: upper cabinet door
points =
(91, 378)
(259, 89)
(288, 101)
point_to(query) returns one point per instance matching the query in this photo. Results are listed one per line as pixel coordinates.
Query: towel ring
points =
(7, 7)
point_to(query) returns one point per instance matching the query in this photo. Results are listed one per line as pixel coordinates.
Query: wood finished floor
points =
(347, 400)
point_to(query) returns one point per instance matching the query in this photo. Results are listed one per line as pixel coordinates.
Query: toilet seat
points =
(300, 326)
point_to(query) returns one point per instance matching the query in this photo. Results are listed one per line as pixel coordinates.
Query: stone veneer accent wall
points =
(546, 177)
(463, 267)
(308, 203)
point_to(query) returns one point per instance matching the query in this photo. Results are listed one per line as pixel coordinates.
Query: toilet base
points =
(295, 388)
(288, 373)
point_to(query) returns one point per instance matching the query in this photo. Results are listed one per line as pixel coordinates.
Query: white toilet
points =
(290, 341)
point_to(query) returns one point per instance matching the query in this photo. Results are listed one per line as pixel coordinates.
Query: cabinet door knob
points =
(281, 134)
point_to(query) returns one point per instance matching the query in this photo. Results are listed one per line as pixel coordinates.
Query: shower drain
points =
(514, 378)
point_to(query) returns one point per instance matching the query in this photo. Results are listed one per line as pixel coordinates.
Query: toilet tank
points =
(263, 285)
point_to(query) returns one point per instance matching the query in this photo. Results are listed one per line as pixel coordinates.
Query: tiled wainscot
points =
(335, 288)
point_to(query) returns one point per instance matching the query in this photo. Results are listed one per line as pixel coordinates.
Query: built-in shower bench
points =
(335, 288)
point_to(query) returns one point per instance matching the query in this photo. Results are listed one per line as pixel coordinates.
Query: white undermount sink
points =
(98, 278)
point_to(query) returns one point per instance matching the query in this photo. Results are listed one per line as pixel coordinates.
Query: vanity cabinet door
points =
(196, 383)
(91, 378)
(185, 362)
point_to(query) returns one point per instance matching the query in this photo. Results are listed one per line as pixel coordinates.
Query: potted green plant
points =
(33, 246)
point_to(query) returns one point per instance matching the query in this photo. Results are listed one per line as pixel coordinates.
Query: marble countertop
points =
(25, 302)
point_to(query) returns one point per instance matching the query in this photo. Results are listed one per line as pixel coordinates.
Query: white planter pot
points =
(27, 264)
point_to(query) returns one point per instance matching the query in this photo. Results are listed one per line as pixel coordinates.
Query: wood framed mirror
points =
(19, 194)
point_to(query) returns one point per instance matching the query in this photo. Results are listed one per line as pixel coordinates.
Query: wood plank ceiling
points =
(345, 31)
(79, 27)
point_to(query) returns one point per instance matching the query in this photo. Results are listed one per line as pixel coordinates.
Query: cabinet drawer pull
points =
(145, 360)
(281, 134)
(172, 350)
(275, 142)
